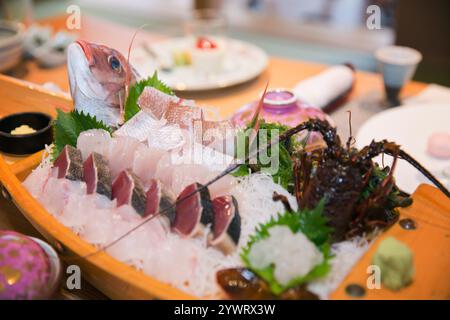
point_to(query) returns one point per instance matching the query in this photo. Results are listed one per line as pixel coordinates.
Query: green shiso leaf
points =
(131, 106)
(313, 225)
(68, 126)
(283, 175)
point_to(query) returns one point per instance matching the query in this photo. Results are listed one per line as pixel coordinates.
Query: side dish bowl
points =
(22, 144)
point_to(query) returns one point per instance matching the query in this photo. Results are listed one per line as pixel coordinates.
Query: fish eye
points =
(114, 63)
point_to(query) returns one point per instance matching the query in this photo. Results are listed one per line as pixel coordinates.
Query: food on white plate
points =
(212, 222)
(182, 58)
(208, 54)
(439, 145)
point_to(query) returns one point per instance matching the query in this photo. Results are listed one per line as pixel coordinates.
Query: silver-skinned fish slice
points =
(159, 200)
(194, 212)
(226, 226)
(69, 164)
(97, 175)
(128, 189)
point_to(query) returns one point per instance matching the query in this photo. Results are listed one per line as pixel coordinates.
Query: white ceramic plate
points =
(242, 62)
(410, 126)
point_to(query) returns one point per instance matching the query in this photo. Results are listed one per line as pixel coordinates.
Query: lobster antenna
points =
(128, 72)
(350, 140)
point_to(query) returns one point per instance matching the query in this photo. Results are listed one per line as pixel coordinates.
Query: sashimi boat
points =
(152, 199)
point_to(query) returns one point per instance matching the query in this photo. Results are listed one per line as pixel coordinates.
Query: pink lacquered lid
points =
(280, 105)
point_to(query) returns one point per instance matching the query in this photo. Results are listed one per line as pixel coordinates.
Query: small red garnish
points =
(205, 43)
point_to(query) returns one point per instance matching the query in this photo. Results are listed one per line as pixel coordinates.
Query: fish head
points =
(98, 76)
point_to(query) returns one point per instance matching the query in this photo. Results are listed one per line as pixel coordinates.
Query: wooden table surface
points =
(280, 73)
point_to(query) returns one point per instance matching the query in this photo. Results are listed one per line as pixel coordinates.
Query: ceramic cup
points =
(397, 65)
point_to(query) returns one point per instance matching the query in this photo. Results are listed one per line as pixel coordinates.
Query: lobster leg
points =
(392, 149)
(297, 181)
(328, 133)
(379, 195)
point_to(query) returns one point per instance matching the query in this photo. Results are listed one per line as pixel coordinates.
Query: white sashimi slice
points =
(140, 126)
(223, 186)
(156, 102)
(102, 202)
(167, 138)
(134, 247)
(196, 153)
(100, 228)
(76, 213)
(36, 181)
(81, 208)
(94, 140)
(184, 175)
(56, 193)
(211, 158)
(145, 162)
(178, 169)
(121, 154)
(163, 170)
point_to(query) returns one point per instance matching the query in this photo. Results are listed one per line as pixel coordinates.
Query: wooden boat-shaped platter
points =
(430, 241)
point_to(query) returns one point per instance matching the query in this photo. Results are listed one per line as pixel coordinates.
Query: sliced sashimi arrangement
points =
(193, 239)
(222, 220)
(105, 185)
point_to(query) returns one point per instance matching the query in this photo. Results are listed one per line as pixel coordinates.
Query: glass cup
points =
(205, 23)
(397, 65)
(206, 26)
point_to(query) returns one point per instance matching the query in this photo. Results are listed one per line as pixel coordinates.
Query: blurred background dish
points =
(11, 37)
(184, 66)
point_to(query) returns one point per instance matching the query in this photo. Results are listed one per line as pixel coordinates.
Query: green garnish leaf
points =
(313, 225)
(131, 106)
(283, 175)
(68, 126)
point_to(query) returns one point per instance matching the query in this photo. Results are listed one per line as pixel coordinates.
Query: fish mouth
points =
(86, 50)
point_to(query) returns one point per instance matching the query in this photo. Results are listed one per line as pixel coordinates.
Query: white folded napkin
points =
(321, 90)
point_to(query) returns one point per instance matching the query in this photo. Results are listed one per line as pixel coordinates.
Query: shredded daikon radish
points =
(346, 254)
